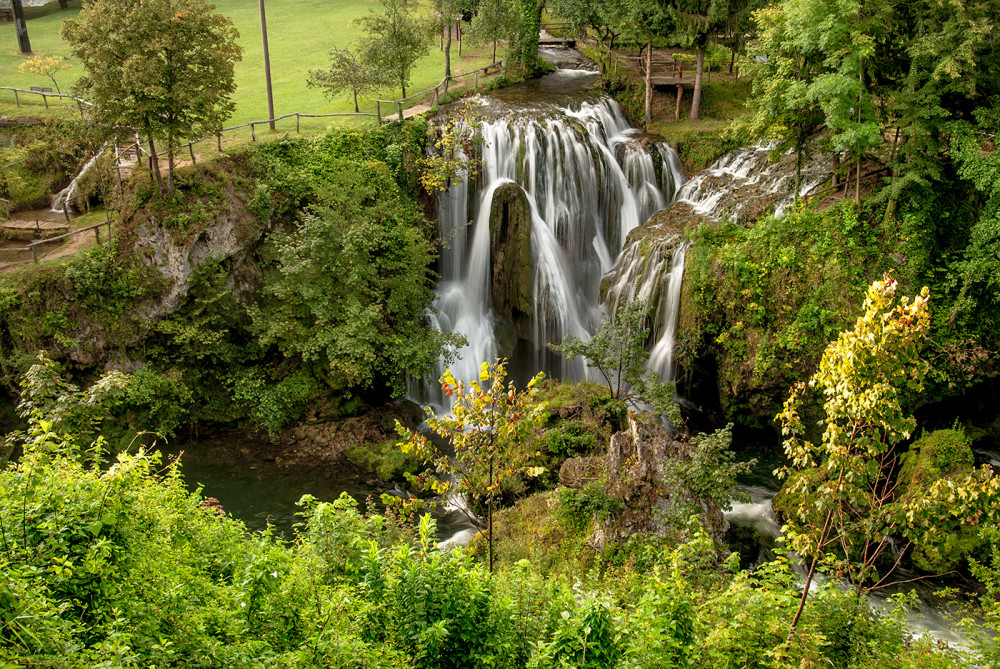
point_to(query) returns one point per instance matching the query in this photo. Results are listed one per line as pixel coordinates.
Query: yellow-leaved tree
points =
(851, 511)
(489, 423)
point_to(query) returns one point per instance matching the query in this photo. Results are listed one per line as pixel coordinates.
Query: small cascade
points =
(661, 358)
(61, 200)
(746, 183)
(585, 181)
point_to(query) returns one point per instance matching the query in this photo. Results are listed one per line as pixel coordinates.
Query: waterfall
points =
(748, 182)
(61, 200)
(588, 181)
(661, 358)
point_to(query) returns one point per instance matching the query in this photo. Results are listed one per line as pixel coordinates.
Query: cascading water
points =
(61, 201)
(747, 182)
(588, 181)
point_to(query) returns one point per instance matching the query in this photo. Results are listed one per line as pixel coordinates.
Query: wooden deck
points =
(27, 230)
(34, 225)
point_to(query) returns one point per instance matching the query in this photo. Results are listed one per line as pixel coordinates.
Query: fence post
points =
(400, 103)
(378, 111)
(253, 132)
(17, 100)
(97, 233)
(45, 98)
(191, 151)
(475, 81)
(436, 94)
(297, 123)
(34, 254)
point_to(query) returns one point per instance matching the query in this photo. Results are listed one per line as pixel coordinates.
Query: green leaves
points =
(350, 285)
(617, 351)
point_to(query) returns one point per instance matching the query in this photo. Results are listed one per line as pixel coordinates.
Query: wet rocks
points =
(511, 262)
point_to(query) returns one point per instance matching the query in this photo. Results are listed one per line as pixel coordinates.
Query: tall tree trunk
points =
(356, 101)
(170, 163)
(732, 59)
(649, 84)
(459, 23)
(447, 54)
(857, 188)
(494, 51)
(155, 160)
(20, 27)
(490, 511)
(696, 100)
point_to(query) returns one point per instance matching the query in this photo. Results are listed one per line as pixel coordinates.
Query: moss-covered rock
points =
(943, 454)
(940, 454)
(511, 262)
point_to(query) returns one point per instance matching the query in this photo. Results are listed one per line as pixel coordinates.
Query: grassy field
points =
(300, 35)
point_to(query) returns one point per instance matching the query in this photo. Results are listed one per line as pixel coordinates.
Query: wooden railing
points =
(675, 64)
(844, 184)
(437, 90)
(32, 246)
(45, 97)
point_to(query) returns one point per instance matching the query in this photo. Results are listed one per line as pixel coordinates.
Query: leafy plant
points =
(488, 425)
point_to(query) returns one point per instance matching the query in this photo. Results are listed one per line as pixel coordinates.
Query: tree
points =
(164, 68)
(347, 297)
(447, 13)
(887, 77)
(46, 66)
(394, 40)
(852, 506)
(489, 422)
(348, 71)
(617, 351)
(494, 21)
(699, 23)
(642, 22)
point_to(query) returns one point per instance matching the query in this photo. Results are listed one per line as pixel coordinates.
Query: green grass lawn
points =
(300, 34)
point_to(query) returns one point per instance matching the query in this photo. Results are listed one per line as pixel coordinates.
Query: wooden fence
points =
(45, 97)
(442, 86)
(32, 246)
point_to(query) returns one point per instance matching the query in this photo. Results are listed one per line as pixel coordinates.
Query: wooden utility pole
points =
(20, 27)
(267, 65)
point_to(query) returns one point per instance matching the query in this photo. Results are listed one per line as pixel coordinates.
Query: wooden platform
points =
(34, 225)
(18, 229)
(661, 80)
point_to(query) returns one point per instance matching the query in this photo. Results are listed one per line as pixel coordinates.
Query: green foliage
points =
(585, 638)
(578, 507)
(394, 40)
(122, 566)
(384, 460)
(616, 351)
(106, 278)
(865, 378)
(67, 408)
(166, 70)
(569, 440)
(707, 471)
(347, 295)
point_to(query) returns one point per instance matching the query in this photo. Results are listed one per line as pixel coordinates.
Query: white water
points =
(588, 182)
(734, 181)
(61, 200)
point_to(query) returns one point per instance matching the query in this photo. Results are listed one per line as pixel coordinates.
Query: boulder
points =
(511, 262)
